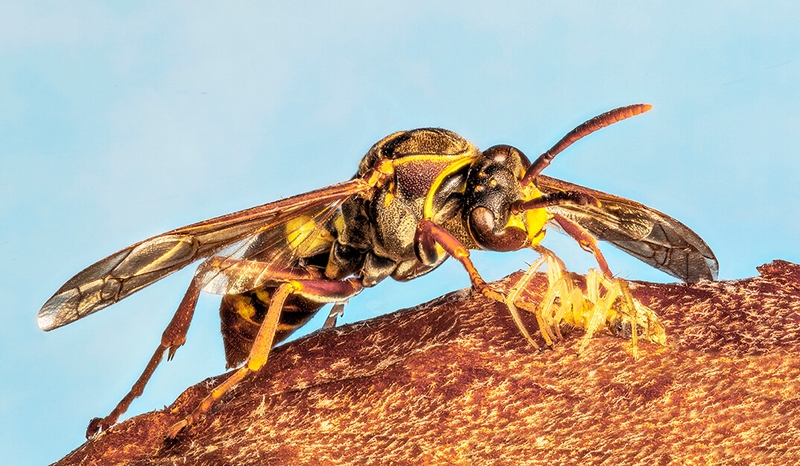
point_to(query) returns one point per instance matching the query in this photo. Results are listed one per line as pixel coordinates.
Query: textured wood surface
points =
(453, 382)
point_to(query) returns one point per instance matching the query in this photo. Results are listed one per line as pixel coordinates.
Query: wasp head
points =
(493, 185)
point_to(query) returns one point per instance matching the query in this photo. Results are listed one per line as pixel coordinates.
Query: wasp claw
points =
(486, 291)
(177, 428)
(96, 425)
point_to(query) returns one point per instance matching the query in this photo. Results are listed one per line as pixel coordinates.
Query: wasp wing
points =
(272, 254)
(137, 266)
(645, 233)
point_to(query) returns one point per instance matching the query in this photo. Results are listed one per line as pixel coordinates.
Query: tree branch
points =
(452, 381)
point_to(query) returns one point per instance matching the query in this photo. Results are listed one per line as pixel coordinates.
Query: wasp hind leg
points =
(336, 311)
(319, 290)
(173, 337)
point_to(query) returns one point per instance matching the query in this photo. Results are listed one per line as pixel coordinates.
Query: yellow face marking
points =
(535, 219)
(514, 221)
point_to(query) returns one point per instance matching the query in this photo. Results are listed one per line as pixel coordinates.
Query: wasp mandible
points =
(418, 197)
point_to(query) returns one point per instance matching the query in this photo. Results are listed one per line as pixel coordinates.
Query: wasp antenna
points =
(585, 129)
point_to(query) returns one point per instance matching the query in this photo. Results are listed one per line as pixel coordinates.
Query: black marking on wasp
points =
(417, 198)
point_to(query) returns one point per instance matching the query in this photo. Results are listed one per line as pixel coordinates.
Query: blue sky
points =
(119, 123)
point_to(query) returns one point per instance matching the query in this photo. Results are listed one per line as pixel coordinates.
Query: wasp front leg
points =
(319, 290)
(431, 240)
(430, 237)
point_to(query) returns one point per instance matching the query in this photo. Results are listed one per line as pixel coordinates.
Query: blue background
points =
(120, 122)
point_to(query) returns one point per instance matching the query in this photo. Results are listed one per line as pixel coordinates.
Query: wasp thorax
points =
(492, 186)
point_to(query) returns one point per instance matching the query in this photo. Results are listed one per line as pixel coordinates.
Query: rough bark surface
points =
(452, 381)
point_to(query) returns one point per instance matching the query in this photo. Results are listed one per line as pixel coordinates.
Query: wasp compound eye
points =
(483, 229)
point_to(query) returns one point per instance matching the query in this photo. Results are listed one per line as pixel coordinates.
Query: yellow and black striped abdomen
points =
(241, 316)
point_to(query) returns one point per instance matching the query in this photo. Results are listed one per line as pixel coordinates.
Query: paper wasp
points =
(417, 198)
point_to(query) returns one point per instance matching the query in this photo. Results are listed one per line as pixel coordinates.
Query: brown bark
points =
(453, 382)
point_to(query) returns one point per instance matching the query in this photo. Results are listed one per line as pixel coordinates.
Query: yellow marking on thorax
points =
(383, 170)
(427, 209)
(388, 199)
(305, 237)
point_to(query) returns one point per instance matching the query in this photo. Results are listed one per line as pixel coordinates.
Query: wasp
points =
(418, 197)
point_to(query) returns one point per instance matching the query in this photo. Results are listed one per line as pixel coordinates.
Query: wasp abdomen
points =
(241, 316)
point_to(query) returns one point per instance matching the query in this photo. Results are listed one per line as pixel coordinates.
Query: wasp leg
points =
(554, 199)
(429, 235)
(226, 275)
(319, 290)
(336, 311)
(585, 239)
(173, 337)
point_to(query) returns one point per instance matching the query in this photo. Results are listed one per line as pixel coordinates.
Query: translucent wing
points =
(248, 233)
(645, 233)
(272, 253)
